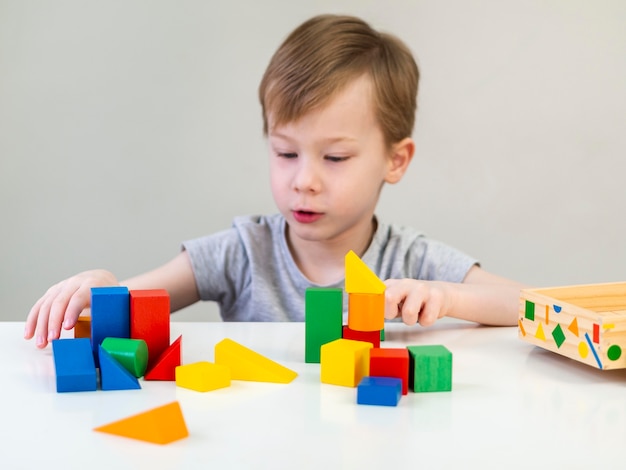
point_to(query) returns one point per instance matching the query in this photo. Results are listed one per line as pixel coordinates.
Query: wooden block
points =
(165, 366)
(366, 312)
(323, 319)
(367, 336)
(586, 323)
(391, 362)
(344, 362)
(132, 354)
(74, 365)
(110, 315)
(82, 329)
(150, 320)
(360, 279)
(430, 369)
(113, 375)
(160, 425)
(383, 391)
(203, 376)
(246, 364)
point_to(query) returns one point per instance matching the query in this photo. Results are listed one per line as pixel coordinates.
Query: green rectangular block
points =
(323, 318)
(430, 368)
(530, 310)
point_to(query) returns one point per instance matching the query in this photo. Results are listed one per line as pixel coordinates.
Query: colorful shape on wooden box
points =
(110, 315)
(614, 352)
(366, 312)
(573, 326)
(391, 362)
(430, 369)
(246, 364)
(593, 351)
(164, 367)
(539, 334)
(203, 376)
(160, 425)
(367, 336)
(74, 365)
(323, 319)
(132, 354)
(150, 320)
(113, 375)
(558, 335)
(82, 329)
(344, 362)
(529, 311)
(360, 279)
(382, 391)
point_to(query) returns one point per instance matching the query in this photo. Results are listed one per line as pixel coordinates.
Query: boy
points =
(338, 101)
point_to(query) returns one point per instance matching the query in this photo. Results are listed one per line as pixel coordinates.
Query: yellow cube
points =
(345, 362)
(202, 376)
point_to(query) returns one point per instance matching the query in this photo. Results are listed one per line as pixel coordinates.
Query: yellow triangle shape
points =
(160, 425)
(359, 277)
(539, 333)
(246, 364)
(573, 327)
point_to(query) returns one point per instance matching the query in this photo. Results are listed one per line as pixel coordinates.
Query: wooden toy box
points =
(586, 322)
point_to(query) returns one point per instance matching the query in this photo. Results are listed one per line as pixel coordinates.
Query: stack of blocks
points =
(127, 337)
(350, 355)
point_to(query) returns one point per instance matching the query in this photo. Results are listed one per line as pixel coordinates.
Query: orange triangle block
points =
(573, 327)
(539, 333)
(160, 425)
(246, 364)
(165, 366)
(359, 277)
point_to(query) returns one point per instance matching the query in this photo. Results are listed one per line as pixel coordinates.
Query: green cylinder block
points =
(130, 353)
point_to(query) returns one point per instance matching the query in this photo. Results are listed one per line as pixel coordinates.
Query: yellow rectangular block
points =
(202, 376)
(246, 364)
(344, 362)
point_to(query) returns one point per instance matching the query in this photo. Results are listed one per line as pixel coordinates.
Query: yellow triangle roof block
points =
(359, 277)
(160, 425)
(246, 364)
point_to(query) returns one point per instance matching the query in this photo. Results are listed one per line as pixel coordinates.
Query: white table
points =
(512, 406)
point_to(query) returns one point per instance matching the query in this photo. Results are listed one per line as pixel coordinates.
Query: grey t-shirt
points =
(248, 269)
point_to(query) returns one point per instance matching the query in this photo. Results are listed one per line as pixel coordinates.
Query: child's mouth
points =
(306, 217)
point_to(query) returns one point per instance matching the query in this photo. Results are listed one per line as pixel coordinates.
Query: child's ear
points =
(399, 159)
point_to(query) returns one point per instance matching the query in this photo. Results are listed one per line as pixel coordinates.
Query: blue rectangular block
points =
(385, 391)
(110, 315)
(74, 365)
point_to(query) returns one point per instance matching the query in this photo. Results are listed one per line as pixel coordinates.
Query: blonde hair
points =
(326, 53)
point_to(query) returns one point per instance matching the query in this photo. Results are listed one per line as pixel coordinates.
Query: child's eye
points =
(334, 159)
(287, 154)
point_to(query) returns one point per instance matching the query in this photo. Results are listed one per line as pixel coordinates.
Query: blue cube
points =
(384, 391)
(74, 365)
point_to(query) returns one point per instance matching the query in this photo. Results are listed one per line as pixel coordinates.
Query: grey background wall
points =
(129, 126)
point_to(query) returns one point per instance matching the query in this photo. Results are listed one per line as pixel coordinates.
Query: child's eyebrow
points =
(324, 141)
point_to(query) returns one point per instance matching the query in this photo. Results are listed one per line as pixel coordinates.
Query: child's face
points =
(327, 168)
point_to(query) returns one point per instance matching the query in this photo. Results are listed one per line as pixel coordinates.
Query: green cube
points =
(430, 368)
(323, 319)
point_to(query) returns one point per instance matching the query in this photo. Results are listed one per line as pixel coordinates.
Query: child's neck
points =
(323, 263)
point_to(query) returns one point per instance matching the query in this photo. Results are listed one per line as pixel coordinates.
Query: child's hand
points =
(61, 305)
(417, 301)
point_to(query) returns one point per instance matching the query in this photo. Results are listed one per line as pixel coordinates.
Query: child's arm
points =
(61, 305)
(481, 297)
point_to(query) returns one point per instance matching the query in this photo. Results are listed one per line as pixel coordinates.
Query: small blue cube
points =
(383, 391)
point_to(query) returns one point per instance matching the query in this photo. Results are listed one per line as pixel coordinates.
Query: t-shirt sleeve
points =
(437, 261)
(219, 264)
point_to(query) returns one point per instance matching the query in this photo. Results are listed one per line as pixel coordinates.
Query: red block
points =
(150, 320)
(165, 366)
(391, 362)
(367, 336)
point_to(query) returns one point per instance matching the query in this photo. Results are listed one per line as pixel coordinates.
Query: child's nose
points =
(307, 177)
